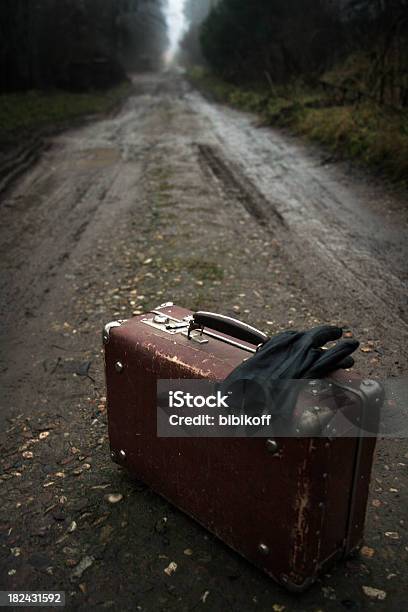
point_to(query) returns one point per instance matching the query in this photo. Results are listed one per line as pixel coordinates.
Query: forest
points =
(77, 44)
(61, 60)
(333, 70)
(286, 39)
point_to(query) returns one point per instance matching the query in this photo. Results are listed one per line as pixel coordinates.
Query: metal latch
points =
(172, 326)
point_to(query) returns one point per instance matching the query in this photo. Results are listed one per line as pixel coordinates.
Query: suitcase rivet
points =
(119, 367)
(264, 549)
(272, 446)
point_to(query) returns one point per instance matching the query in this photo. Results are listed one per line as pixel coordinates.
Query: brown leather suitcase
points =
(292, 506)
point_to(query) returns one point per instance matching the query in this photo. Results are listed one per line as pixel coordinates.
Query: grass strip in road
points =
(23, 113)
(364, 131)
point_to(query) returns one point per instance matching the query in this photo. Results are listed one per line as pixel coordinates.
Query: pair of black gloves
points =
(266, 381)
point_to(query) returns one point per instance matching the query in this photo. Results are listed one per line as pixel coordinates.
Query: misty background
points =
(87, 44)
(84, 44)
(292, 56)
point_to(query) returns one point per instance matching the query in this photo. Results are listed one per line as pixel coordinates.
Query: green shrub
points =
(365, 131)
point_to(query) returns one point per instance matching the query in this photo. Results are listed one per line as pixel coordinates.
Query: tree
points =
(283, 38)
(76, 44)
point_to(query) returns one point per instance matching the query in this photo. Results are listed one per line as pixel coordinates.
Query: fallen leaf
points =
(204, 596)
(82, 566)
(368, 552)
(114, 498)
(374, 593)
(100, 520)
(170, 569)
(394, 535)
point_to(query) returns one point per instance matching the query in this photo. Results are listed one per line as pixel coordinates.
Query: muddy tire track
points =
(344, 234)
(238, 187)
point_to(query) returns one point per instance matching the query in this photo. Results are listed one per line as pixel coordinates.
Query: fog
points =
(176, 22)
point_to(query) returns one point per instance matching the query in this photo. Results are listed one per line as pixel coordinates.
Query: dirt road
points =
(177, 198)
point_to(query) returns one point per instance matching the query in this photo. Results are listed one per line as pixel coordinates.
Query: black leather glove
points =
(263, 381)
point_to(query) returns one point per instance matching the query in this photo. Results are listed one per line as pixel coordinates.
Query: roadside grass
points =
(25, 112)
(364, 131)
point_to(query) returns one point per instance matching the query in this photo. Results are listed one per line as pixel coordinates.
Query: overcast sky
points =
(175, 19)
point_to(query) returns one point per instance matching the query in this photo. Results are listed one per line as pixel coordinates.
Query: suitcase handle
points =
(227, 325)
